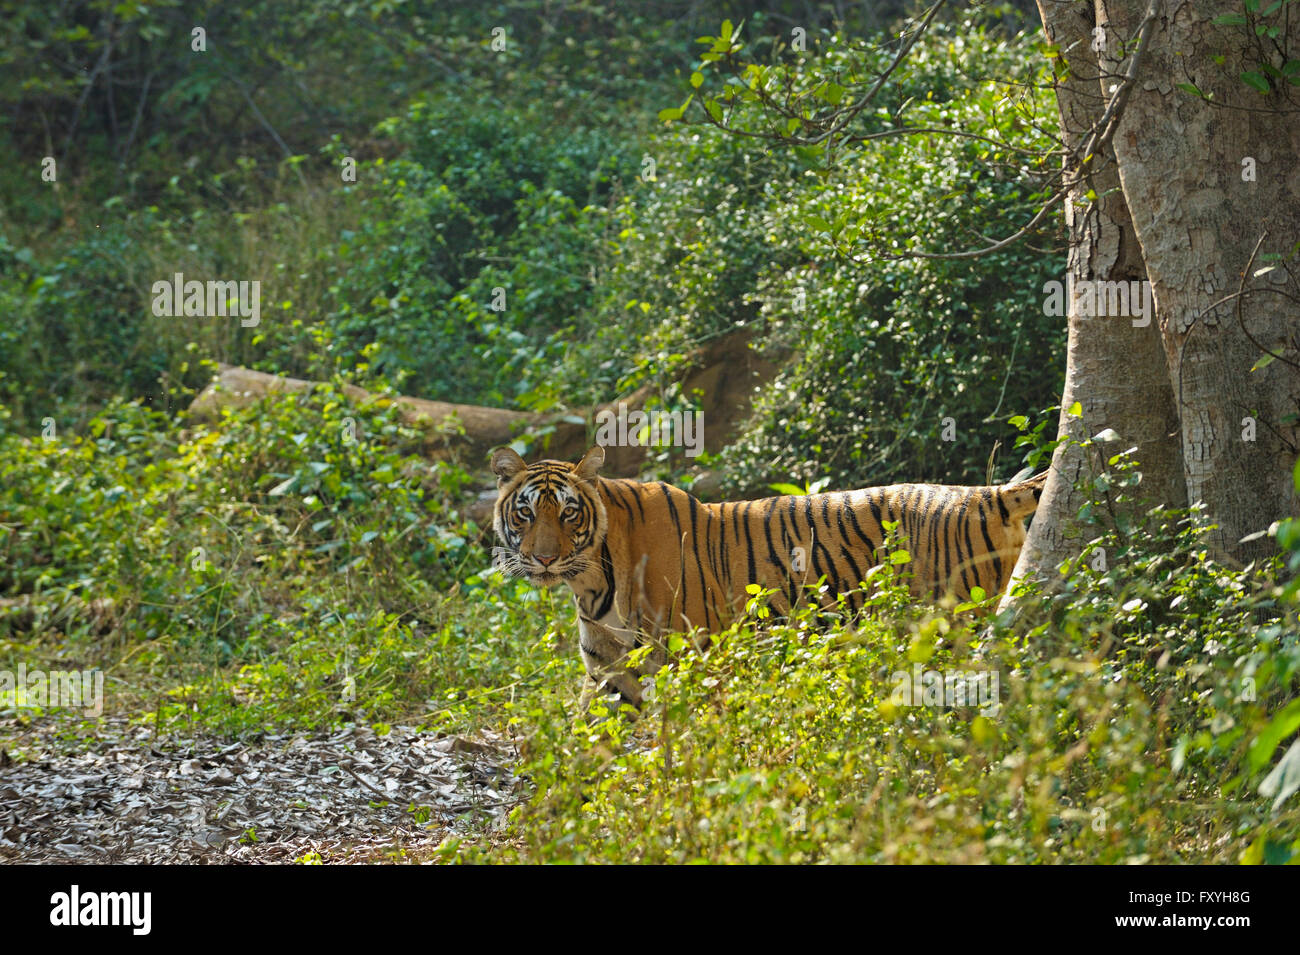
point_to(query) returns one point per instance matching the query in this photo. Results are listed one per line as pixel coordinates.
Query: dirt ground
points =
(126, 796)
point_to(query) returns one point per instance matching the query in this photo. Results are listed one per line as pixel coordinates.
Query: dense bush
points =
(292, 534)
(72, 327)
(481, 201)
(517, 256)
(1143, 718)
(880, 348)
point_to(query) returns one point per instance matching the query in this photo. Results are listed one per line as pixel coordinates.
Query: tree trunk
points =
(1184, 165)
(1115, 370)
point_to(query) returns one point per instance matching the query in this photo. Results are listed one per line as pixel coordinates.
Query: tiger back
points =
(645, 558)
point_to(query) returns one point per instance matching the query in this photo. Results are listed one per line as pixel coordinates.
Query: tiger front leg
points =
(604, 656)
(594, 689)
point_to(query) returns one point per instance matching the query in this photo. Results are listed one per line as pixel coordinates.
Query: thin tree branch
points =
(1094, 143)
(266, 124)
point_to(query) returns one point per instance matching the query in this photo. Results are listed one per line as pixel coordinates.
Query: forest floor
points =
(124, 795)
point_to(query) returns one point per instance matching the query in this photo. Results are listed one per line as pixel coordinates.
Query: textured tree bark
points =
(1114, 369)
(1184, 166)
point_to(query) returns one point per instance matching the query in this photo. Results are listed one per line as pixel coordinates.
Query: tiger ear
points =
(506, 463)
(591, 463)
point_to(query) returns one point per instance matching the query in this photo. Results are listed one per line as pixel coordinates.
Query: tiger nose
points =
(546, 559)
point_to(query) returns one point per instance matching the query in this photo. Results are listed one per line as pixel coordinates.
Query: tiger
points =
(642, 559)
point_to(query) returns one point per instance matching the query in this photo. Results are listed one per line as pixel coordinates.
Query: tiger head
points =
(549, 517)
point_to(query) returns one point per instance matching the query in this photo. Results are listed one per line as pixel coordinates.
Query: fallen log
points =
(468, 430)
(723, 378)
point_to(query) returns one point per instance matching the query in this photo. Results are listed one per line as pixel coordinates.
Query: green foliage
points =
(474, 250)
(120, 96)
(231, 170)
(259, 564)
(610, 270)
(879, 348)
(81, 329)
(304, 562)
(1139, 721)
(1262, 26)
(883, 356)
(66, 331)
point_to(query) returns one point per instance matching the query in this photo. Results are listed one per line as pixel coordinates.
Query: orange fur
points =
(642, 559)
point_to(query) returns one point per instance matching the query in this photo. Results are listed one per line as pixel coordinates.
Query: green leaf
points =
(1179, 756)
(1264, 362)
(1286, 722)
(1285, 777)
(792, 489)
(817, 222)
(1255, 80)
(697, 78)
(1229, 20)
(920, 650)
(832, 93)
(983, 730)
(1190, 88)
